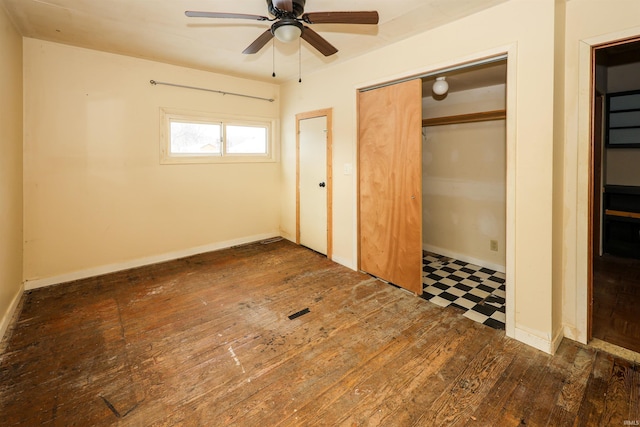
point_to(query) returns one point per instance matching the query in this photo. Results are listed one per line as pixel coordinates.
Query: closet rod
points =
(153, 82)
(466, 118)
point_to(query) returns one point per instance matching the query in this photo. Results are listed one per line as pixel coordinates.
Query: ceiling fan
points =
(290, 21)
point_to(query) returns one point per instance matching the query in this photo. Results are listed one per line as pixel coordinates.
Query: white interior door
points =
(313, 183)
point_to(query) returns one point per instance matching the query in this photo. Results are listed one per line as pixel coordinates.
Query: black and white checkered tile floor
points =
(479, 291)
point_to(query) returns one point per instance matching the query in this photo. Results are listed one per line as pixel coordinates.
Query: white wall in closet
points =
(464, 179)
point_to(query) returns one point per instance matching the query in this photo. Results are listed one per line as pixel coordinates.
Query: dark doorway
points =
(615, 196)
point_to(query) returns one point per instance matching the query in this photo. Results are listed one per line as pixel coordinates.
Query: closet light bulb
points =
(440, 86)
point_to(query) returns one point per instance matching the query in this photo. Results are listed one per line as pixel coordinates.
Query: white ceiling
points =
(159, 30)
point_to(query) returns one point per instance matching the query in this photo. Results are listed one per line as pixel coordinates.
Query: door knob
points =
(322, 184)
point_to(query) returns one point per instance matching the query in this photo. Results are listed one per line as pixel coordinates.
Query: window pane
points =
(246, 140)
(195, 138)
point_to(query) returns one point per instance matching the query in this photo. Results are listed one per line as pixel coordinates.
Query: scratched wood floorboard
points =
(207, 340)
(616, 298)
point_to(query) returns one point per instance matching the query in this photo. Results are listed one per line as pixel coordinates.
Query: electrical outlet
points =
(493, 245)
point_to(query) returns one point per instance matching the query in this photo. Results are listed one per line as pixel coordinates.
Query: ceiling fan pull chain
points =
(299, 61)
(273, 48)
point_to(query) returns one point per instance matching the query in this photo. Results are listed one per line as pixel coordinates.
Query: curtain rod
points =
(153, 82)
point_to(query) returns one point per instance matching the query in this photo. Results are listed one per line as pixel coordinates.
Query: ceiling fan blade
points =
(259, 43)
(317, 41)
(365, 17)
(194, 14)
(284, 5)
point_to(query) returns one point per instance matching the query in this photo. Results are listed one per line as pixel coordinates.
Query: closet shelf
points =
(466, 118)
(623, 214)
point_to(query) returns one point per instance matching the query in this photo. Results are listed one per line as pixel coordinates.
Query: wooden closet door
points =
(390, 183)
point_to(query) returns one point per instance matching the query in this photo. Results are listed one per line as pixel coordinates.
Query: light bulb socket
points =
(287, 30)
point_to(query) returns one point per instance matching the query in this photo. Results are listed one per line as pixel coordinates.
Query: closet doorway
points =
(464, 192)
(460, 259)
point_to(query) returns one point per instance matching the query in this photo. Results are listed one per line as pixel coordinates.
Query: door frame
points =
(328, 113)
(508, 53)
(589, 47)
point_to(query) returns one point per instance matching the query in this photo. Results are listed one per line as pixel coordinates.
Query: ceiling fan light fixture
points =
(290, 20)
(287, 30)
(440, 86)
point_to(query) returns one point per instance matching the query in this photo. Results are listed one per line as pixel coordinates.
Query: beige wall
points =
(464, 179)
(10, 169)
(96, 197)
(527, 29)
(588, 23)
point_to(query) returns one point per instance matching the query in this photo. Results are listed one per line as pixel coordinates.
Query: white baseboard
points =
(344, 262)
(337, 259)
(535, 341)
(463, 257)
(573, 334)
(30, 284)
(557, 339)
(8, 315)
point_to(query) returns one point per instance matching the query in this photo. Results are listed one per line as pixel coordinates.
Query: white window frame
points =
(168, 115)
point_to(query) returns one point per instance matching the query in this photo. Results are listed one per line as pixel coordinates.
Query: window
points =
(246, 139)
(188, 137)
(195, 138)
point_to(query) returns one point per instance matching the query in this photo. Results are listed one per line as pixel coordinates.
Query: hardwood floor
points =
(207, 340)
(616, 301)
